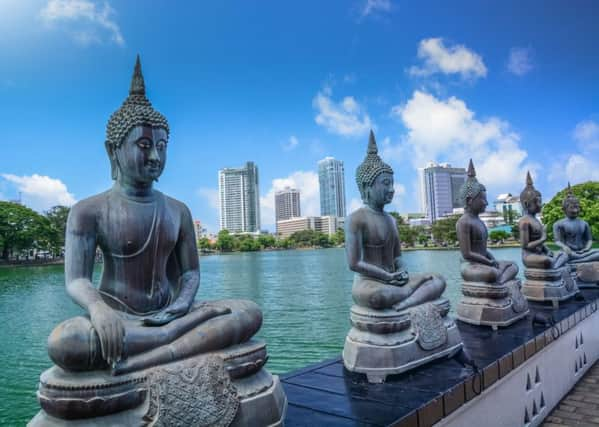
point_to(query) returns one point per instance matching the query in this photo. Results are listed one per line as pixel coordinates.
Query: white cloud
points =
(346, 118)
(520, 61)
(446, 130)
(291, 144)
(41, 192)
(456, 59)
(586, 133)
(211, 196)
(305, 182)
(87, 22)
(376, 6)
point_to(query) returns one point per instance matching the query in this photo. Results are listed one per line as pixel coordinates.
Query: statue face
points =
(381, 191)
(534, 205)
(142, 155)
(572, 209)
(479, 203)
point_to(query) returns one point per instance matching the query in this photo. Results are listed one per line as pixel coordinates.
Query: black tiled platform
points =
(326, 394)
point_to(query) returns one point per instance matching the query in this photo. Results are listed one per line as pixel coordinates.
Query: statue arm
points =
(353, 250)
(525, 241)
(80, 250)
(588, 236)
(464, 232)
(559, 238)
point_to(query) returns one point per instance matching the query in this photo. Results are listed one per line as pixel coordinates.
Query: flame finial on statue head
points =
(138, 86)
(471, 187)
(371, 167)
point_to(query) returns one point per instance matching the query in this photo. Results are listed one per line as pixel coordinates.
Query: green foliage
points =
(516, 231)
(247, 243)
(225, 241)
(339, 237)
(57, 217)
(588, 195)
(22, 228)
(204, 243)
(267, 241)
(309, 238)
(498, 235)
(444, 230)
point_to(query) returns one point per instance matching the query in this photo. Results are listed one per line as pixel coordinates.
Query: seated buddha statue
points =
(144, 313)
(573, 235)
(491, 291)
(547, 275)
(373, 247)
(479, 263)
(399, 320)
(533, 235)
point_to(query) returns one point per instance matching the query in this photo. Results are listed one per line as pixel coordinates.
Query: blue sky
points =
(284, 84)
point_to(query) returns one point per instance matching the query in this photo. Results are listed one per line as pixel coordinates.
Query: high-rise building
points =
(440, 189)
(287, 204)
(239, 199)
(331, 178)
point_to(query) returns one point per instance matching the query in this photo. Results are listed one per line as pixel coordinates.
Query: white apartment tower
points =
(239, 199)
(287, 204)
(440, 189)
(331, 178)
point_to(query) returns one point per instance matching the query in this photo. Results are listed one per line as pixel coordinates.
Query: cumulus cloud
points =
(86, 21)
(346, 117)
(291, 144)
(305, 182)
(456, 59)
(41, 192)
(447, 130)
(583, 165)
(376, 6)
(520, 61)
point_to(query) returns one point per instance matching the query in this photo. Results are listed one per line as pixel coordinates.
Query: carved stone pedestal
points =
(387, 342)
(586, 274)
(553, 285)
(223, 388)
(492, 305)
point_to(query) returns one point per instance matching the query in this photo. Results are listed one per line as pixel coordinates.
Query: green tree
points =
(247, 243)
(516, 231)
(339, 237)
(22, 228)
(588, 195)
(57, 217)
(422, 235)
(204, 243)
(444, 231)
(225, 241)
(498, 235)
(267, 240)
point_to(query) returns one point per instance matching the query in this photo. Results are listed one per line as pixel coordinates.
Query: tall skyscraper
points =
(440, 189)
(239, 199)
(331, 178)
(287, 204)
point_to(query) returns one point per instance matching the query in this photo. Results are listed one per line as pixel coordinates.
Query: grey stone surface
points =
(395, 327)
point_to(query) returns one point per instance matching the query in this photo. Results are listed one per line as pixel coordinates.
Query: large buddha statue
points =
(491, 290)
(573, 235)
(399, 320)
(546, 272)
(144, 339)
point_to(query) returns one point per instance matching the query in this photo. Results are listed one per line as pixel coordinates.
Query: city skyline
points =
(511, 85)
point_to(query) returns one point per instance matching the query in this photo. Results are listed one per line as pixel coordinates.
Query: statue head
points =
(472, 193)
(136, 132)
(530, 197)
(571, 204)
(374, 177)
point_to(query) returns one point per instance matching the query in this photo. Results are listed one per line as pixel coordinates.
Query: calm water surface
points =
(305, 297)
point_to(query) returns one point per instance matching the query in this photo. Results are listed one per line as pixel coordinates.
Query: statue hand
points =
(111, 332)
(172, 312)
(399, 278)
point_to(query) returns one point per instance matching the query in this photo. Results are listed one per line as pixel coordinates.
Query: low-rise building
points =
(325, 224)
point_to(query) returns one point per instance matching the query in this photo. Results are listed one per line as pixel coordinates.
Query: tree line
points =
(23, 230)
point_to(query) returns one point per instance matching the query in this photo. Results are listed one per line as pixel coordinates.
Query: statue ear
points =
(111, 151)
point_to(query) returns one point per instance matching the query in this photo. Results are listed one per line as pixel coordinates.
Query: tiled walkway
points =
(580, 407)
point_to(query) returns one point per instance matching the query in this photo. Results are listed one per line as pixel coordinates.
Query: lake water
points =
(305, 296)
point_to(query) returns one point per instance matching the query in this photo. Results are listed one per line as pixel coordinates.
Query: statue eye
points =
(161, 145)
(143, 143)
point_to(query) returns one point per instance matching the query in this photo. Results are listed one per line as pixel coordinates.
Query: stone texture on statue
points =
(147, 353)
(399, 321)
(573, 235)
(491, 293)
(547, 274)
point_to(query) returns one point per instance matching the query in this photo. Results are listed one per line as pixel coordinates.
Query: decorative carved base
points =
(496, 306)
(585, 274)
(549, 285)
(387, 342)
(223, 388)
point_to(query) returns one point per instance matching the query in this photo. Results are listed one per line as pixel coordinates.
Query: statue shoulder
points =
(83, 214)
(177, 207)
